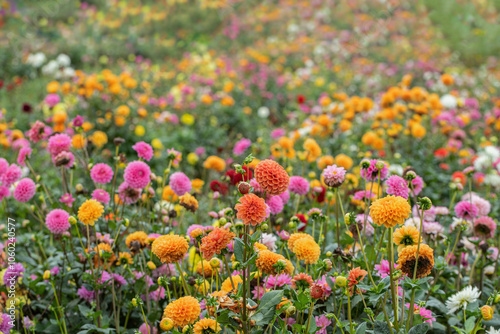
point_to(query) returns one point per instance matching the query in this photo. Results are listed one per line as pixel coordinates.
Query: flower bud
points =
(134, 302)
(72, 220)
(166, 324)
(46, 274)
(329, 254)
(244, 188)
(291, 310)
(215, 262)
(380, 164)
(264, 227)
(151, 265)
(487, 312)
(341, 281)
(79, 187)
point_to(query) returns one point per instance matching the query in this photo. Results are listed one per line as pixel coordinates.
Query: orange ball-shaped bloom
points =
(390, 211)
(203, 268)
(206, 325)
(272, 177)
(308, 250)
(251, 209)
(170, 248)
(227, 286)
(267, 259)
(216, 241)
(183, 311)
(297, 236)
(408, 258)
(139, 237)
(90, 211)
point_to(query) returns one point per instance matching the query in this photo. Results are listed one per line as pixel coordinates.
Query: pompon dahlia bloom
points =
(275, 204)
(397, 186)
(101, 196)
(298, 185)
(407, 259)
(4, 192)
(466, 210)
(58, 143)
(170, 248)
(215, 242)
(251, 209)
(101, 173)
(295, 237)
(183, 311)
(11, 175)
(371, 173)
(307, 249)
(25, 190)
(390, 211)
(128, 194)
(180, 183)
(271, 177)
(206, 325)
(144, 150)
(137, 174)
(406, 236)
(24, 152)
(189, 202)
(57, 221)
(267, 259)
(90, 211)
(38, 132)
(485, 227)
(333, 176)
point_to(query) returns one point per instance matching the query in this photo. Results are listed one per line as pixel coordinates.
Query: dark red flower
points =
(222, 188)
(301, 99)
(236, 178)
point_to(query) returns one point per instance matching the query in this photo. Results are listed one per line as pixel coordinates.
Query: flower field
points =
(230, 166)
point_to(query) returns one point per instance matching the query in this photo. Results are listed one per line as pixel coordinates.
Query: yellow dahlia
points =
(407, 260)
(205, 326)
(406, 236)
(308, 250)
(90, 211)
(296, 236)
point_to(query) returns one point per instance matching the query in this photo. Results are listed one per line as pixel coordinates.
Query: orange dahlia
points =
(272, 177)
(406, 236)
(203, 268)
(408, 258)
(356, 275)
(170, 248)
(251, 209)
(215, 163)
(302, 281)
(104, 250)
(390, 211)
(267, 259)
(183, 311)
(206, 325)
(308, 250)
(227, 286)
(296, 236)
(137, 240)
(216, 241)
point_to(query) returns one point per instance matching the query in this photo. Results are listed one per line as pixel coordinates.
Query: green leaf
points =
(361, 328)
(381, 327)
(420, 329)
(469, 324)
(238, 249)
(268, 304)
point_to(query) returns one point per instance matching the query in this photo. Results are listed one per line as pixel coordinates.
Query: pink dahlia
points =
(137, 174)
(466, 210)
(4, 164)
(298, 185)
(24, 152)
(372, 172)
(38, 132)
(241, 146)
(11, 175)
(101, 196)
(144, 150)
(52, 99)
(101, 173)
(180, 183)
(25, 190)
(285, 196)
(275, 204)
(85, 294)
(485, 227)
(57, 221)
(277, 281)
(417, 184)
(58, 143)
(67, 199)
(362, 194)
(397, 186)
(334, 176)
(4, 192)
(64, 159)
